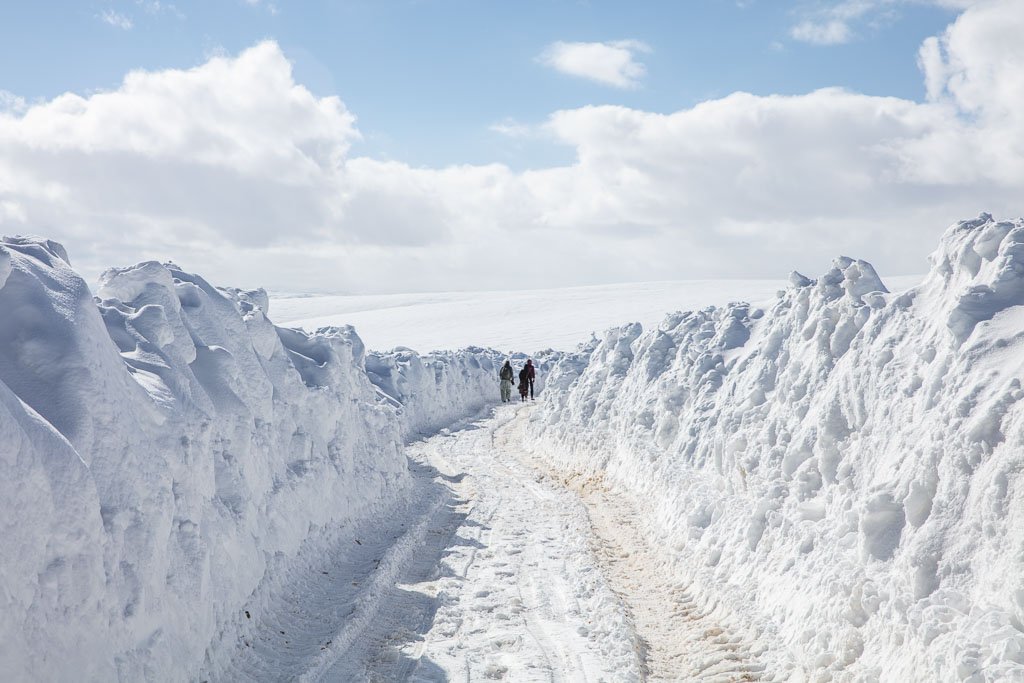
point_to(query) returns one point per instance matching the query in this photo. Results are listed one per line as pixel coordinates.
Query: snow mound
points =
(977, 271)
(843, 467)
(165, 450)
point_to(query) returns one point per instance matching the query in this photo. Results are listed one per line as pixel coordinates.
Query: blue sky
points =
(401, 146)
(427, 78)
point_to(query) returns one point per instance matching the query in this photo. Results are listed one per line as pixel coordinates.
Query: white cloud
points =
(156, 7)
(612, 63)
(11, 103)
(933, 66)
(830, 32)
(235, 170)
(835, 22)
(508, 127)
(116, 19)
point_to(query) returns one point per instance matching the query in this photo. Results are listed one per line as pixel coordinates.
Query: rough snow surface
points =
(166, 454)
(841, 469)
(505, 587)
(826, 486)
(489, 570)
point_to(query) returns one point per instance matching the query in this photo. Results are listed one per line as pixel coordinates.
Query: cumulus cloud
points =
(234, 169)
(612, 63)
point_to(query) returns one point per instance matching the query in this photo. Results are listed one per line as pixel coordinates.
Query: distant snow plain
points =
(525, 320)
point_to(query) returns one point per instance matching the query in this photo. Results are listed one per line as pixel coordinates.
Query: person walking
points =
(530, 375)
(506, 375)
(524, 382)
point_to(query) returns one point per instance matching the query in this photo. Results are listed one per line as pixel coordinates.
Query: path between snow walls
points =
(838, 474)
(490, 570)
(167, 456)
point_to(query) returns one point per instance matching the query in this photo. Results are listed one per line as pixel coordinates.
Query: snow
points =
(167, 453)
(505, 578)
(528, 320)
(438, 389)
(490, 569)
(841, 468)
(820, 483)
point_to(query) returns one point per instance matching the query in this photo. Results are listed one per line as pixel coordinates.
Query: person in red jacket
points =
(531, 373)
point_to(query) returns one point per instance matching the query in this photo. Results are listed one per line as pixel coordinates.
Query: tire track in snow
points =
(678, 641)
(681, 642)
(305, 620)
(516, 592)
(491, 571)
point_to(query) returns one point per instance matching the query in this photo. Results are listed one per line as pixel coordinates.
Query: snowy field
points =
(527, 320)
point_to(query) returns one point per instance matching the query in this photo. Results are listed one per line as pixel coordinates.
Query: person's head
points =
(508, 362)
(529, 361)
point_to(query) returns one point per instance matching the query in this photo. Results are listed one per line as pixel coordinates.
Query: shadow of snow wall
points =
(161, 446)
(843, 467)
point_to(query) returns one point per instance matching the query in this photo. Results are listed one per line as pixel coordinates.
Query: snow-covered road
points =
(493, 570)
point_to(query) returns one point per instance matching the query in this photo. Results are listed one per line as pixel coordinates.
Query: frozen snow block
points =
(40, 248)
(259, 297)
(347, 335)
(309, 355)
(996, 285)
(130, 283)
(881, 525)
(798, 280)
(851, 277)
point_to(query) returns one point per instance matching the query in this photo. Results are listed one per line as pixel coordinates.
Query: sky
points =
(431, 145)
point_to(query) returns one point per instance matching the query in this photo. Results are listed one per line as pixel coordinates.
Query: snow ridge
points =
(841, 468)
(167, 452)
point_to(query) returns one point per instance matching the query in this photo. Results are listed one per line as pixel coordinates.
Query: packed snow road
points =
(494, 571)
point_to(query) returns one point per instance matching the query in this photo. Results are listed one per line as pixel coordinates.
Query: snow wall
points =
(164, 449)
(843, 467)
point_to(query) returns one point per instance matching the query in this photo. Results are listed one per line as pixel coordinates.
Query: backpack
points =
(506, 373)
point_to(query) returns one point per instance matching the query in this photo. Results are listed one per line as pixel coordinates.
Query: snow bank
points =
(164, 449)
(843, 467)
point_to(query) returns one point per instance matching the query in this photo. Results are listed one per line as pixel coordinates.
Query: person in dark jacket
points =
(524, 382)
(506, 375)
(530, 375)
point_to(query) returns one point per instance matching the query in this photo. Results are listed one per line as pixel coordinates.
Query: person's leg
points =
(531, 389)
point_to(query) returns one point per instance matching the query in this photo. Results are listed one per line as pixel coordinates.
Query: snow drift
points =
(164, 447)
(843, 466)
